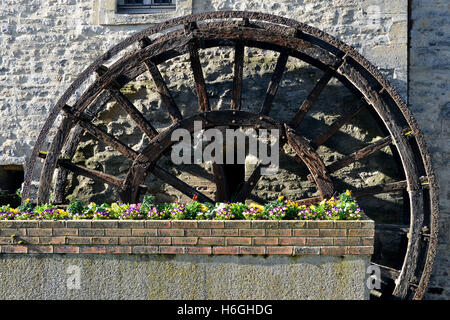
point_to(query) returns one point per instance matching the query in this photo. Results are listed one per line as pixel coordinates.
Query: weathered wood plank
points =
(360, 154)
(178, 184)
(312, 97)
(103, 136)
(238, 71)
(133, 112)
(274, 83)
(334, 128)
(248, 186)
(312, 161)
(220, 179)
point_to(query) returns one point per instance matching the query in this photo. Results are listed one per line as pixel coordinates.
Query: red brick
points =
(252, 232)
(6, 240)
(271, 224)
(91, 232)
(189, 241)
(14, 249)
(347, 224)
(52, 240)
(144, 232)
(78, 240)
(105, 240)
(65, 232)
(238, 241)
(367, 224)
(40, 249)
(159, 240)
(131, 224)
(360, 250)
(289, 241)
(39, 232)
(333, 232)
(66, 249)
(145, 249)
(333, 251)
(278, 232)
(279, 250)
(132, 240)
(212, 241)
(306, 250)
(118, 249)
(181, 224)
(306, 232)
(171, 250)
(361, 232)
(366, 241)
(27, 240)
(104, 224)
(252, 250)
(158, 224)
(199, 250)
(225, 232)
(93, 249)
(264, 241)
(118, 232)
(320, 241)
(210, 224)
(353, 241)
(197, 232)
(44, 224)
(226, 250)
(170, 232)
(238, 224)
(292, 224)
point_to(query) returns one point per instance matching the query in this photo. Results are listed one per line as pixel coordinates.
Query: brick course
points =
(189, 237)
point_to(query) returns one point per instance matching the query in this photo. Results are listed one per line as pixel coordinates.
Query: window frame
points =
(106, 13)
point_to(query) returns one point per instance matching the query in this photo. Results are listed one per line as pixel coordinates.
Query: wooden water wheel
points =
(144, 51)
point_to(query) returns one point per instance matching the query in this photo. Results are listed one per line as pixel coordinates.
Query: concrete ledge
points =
(171, 277)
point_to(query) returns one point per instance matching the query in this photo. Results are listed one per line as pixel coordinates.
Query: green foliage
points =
(75, 206)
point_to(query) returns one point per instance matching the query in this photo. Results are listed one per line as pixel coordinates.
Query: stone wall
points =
(429, 97)
(47, 43)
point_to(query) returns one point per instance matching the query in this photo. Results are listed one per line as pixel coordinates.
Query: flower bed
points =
(342, 207)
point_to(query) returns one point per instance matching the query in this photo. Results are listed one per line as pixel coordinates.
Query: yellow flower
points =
(16, 211)
(280, 198)
(347, 192)
(257, 206)
(27, 200)
(204, 208)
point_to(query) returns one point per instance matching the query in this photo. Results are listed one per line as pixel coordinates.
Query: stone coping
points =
(210, 237)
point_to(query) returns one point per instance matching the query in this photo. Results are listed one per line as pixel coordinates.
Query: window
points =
(138, 12)
(144, 6)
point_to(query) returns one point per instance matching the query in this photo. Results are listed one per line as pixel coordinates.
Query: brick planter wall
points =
(188, 237)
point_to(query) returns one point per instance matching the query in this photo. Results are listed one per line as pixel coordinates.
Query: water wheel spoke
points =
(178, 184)
(161, 85)
(134, 113)
(312, 97)
(86, 172)
(220, 179)
(238, 73)
(387, 272)
(274, 83)
(312, 161)
(248, 186)
(360, 154)
(103, 136)
(334, 128)
(200, 85)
